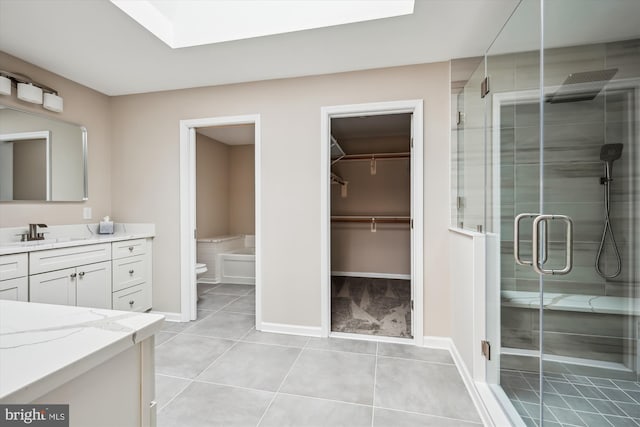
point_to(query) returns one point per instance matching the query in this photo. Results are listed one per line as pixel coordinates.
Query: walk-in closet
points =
(371, 290)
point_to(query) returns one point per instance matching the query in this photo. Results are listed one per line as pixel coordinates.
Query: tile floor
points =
(573, 400)
(220, 371)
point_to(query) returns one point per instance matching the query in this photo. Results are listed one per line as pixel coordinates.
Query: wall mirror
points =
(41, 158)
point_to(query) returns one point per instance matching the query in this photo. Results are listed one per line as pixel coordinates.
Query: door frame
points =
(414, 107)
(188, 237)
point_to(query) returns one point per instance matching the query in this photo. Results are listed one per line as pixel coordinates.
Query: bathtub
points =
(209, 251)
(238, 266)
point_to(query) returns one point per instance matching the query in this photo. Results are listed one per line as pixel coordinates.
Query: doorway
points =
(372, 265)
(233, 129)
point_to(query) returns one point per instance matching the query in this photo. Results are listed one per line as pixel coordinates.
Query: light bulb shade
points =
(5, 86)
(53, 102)
(29, 93)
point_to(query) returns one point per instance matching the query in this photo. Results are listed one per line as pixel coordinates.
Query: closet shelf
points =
(376, 156)
(373, 218)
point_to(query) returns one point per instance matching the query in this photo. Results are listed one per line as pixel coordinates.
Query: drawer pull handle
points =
(130, 248)
(73, 275)
(131, 303)
(81, 274)
(130, 271)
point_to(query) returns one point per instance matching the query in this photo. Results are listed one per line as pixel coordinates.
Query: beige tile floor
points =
(220, 371)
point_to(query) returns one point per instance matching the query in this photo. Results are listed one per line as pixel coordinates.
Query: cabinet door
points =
(15, 289)
(55, 287)
(93, 286)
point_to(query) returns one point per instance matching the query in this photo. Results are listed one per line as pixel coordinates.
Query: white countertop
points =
(43, 346)
(70, 235)
(572, 302)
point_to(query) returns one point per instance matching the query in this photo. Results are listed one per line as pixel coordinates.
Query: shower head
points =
(608, 154)
(583, 86)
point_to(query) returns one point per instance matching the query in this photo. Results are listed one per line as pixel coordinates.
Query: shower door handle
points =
(537, 263)
(516, 237)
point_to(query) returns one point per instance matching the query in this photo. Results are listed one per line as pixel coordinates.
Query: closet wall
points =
(354, 247)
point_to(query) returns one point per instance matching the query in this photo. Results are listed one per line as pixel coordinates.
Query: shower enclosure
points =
(547, 165)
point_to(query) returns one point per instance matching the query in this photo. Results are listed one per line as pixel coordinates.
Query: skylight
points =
(196, 22)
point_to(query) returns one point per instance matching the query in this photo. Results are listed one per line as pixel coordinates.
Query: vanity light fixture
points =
(30, 91)
(5, 85)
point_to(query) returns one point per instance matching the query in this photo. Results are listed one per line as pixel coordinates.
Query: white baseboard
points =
(168, 316)
(371, 275)
(208, 281)
(446, 343)
(442, 343)
(282, 328)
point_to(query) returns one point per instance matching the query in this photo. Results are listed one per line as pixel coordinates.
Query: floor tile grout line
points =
(280, 387)
(428, 415)
(235, 343)
(182, 389)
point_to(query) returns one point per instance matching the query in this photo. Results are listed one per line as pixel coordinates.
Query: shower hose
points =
(609, 230)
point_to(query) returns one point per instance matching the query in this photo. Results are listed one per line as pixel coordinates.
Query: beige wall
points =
(82, 106)
(30, 169)
(354, 248)
(212, 187)
(146, 177)
(242, 206)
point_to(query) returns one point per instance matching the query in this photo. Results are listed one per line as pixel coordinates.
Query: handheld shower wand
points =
(608, 154)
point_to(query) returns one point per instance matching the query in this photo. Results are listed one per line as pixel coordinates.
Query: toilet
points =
(200, 269)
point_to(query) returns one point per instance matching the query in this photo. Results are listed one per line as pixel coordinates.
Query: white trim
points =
(371, 275)
(283, 328)
(441, 343)
(366, 337)
(414, 107)
(495, 417)
(168, 316)
(209, 281)
(188, 291)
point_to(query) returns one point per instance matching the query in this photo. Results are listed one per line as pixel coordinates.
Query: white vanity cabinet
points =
(85, 286)
(132, 275)
(78, 275)
(14, 284)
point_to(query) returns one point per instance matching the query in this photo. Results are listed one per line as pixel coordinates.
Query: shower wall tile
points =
(560, 62)
(625, 56)
(569, 183)
(527, 66)
(575, 322)
(528, 114)
(519, 318)
(567, 143)
(587, 220)
(584, 346)
(507, 151)
(518, 338)
(562, 287)
(507, 117)
(621, 289)
(583, 260)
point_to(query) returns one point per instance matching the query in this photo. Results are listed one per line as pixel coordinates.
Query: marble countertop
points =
(70, 235)
(572, 302)
(43, 346)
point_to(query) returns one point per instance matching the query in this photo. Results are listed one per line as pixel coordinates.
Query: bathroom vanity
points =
(99, 362)
(88, 269)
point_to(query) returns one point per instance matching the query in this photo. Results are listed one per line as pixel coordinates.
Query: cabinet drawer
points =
(12, 266)
(129, 248)
(15, 289)
(57, 259)
(129, 271)
(135, 298)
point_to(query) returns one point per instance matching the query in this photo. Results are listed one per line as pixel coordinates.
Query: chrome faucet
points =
(33, 232)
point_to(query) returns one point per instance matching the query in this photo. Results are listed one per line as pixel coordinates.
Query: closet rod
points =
(376, 156)
(369, 219)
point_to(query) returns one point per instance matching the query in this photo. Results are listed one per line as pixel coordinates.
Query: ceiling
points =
(96, 44)
(231, 134)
